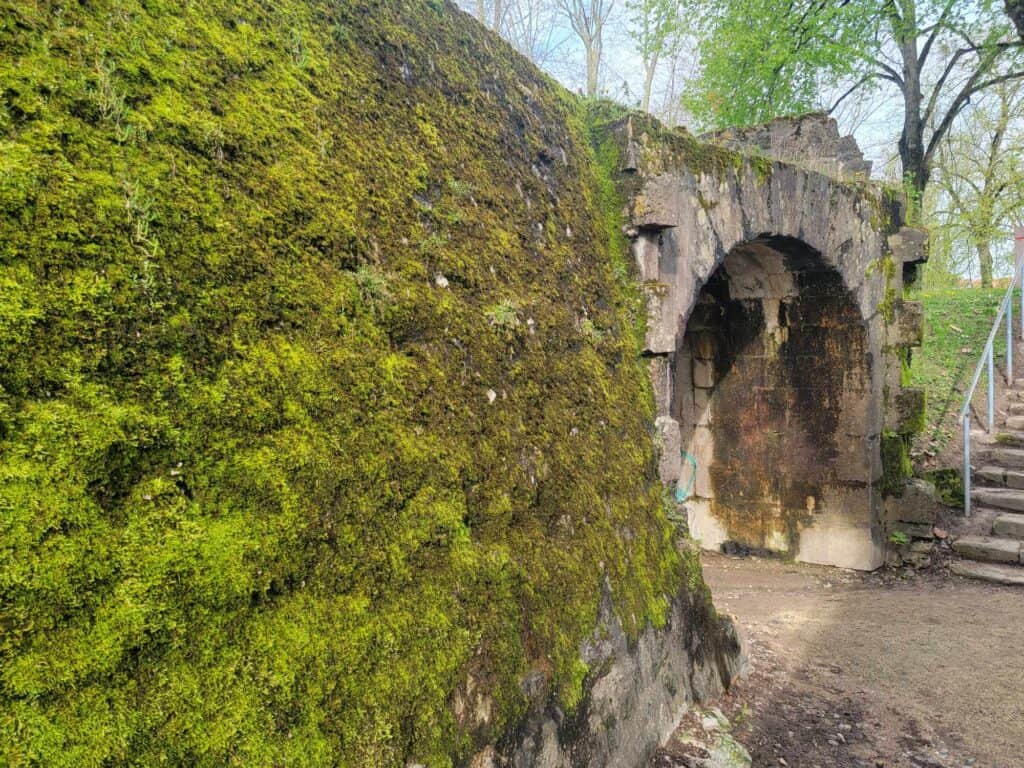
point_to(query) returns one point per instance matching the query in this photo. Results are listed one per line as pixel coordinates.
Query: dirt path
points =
(862, 670)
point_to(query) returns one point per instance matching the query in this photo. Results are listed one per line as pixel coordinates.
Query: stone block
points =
(919, 504)
(703, 374)
(702, 344)
(647, 252)
(660, 369)
(702, 400)
(682, 389)
(1010, 525)
(702, 448)
(906, 413)
(988, 549)
(835, 540)
(857, 460)
(913, 530)
(907, 326)
(670, 463)
(662, 318)
(705, 528)
(909, 245)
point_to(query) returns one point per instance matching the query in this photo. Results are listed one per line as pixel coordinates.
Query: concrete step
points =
(1006, 478)
(999, 498)
(990, 549)
(1015, 422)
(1011, 575)
(1016, 408)
(999, 456)
(1008, 439)
(1009, 526)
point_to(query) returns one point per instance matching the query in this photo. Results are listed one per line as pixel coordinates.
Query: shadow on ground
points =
(851, 670)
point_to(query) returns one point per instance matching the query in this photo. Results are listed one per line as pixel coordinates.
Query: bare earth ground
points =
(852, 670)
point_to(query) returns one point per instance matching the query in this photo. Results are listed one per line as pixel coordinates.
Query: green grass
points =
(957, 324)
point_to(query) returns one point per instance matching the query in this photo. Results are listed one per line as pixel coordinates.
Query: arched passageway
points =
(772, 393)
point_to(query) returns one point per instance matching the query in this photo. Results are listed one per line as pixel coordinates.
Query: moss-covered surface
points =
(319, 391)
(896, 466)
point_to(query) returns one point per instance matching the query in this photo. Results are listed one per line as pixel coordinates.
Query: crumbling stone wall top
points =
(810, 141)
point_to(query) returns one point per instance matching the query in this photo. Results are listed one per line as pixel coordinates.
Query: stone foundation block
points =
(918, 504)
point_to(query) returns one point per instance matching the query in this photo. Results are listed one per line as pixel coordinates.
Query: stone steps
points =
(1006, 478)
(997, 455)
(1008, 439)
(1009, 526)
(1010, 575)
(999, 557)
(989, 549)
(999, 498)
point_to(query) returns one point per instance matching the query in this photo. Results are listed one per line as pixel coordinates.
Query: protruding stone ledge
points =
(909, 245)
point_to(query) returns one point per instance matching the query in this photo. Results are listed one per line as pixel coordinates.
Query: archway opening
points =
(773, 397)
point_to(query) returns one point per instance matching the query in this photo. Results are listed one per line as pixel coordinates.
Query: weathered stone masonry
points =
(777, 335)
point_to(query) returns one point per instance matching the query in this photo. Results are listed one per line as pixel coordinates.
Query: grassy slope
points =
(957, 324)
(255, 505)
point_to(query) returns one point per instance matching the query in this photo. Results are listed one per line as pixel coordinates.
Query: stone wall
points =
(636, 698)
(777, 336)
(812, 142)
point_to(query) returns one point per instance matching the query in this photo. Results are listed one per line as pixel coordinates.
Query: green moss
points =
(886, 265)
(257, 505)
(950, 485)
(896, 466)
(762, 166)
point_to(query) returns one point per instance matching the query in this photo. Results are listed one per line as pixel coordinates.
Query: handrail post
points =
(1009, 340)
(991, 388)
(1018, 270)
(967, 465)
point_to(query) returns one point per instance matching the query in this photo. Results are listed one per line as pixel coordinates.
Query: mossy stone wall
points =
(319, 386)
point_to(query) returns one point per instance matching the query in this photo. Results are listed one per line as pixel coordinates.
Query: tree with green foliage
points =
(762, 58)
(655, 26)
(979, 176)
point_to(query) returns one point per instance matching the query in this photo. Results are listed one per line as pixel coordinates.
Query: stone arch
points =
(692, 214)
(772, 387)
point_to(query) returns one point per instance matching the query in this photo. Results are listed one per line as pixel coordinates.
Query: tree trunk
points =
(481, 12)
(593, 66)
(649, 68)
(916, 168)
(1016, 10)
(985, 263)
(497, 15)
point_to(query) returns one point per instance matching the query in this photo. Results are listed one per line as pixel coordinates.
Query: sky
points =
(875, 123)
(873, 118)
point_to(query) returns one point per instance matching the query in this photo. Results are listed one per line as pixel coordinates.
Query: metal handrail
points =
(988, 361)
